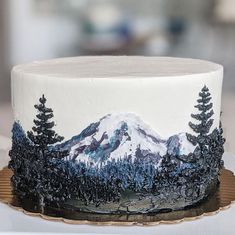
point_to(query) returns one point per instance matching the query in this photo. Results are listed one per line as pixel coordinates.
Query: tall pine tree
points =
(203, 125)
(45, 157)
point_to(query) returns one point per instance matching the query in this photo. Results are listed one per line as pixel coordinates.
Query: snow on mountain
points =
(124, 134)
(179, 145)
(119, 135)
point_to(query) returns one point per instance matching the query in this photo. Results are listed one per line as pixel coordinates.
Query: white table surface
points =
(15, 222)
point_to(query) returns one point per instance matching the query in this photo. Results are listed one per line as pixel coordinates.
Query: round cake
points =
(116, 134)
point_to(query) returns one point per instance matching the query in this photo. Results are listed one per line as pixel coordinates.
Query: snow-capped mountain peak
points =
(119, 135)
(115, 136)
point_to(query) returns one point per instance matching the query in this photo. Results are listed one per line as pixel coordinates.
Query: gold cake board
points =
(220, 200)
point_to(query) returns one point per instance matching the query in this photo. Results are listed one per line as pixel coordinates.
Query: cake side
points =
(117, 163)
(156, 99)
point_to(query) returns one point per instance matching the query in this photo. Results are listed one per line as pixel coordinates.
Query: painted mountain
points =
(124, 134)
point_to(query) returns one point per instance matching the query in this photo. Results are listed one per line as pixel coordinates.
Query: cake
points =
(116, 134)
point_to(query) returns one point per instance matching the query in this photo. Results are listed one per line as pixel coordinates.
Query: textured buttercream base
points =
(221, 199)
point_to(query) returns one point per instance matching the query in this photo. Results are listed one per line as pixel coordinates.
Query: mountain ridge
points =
(118, 135)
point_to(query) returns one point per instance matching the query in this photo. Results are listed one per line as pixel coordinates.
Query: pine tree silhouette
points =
(205, 122)
(21, 179)
(202, 128)
(48, 173)
(42, 134)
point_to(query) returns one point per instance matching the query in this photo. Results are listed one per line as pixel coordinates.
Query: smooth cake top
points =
(117, 66)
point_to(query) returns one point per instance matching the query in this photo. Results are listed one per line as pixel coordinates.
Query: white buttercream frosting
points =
(81, 90)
